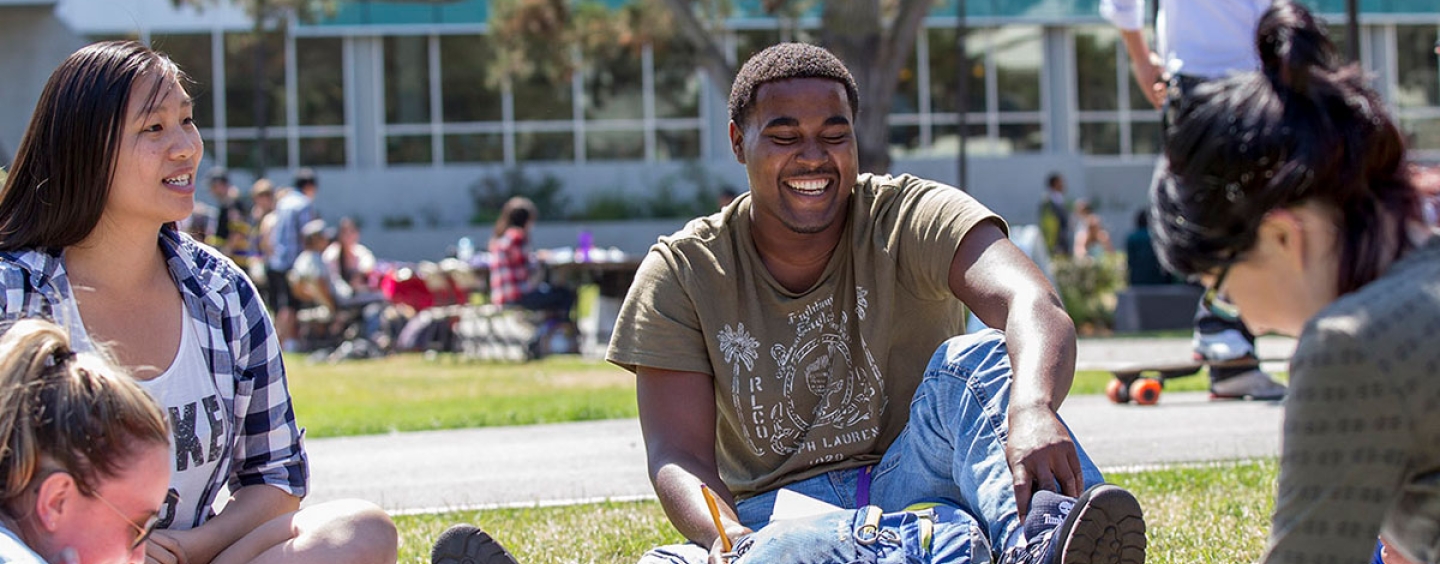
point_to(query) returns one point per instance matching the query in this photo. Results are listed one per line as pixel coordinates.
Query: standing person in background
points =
(230, 228)
(114, 146)
(262, 222)
(1198, 42)
(84, 454)
(292, 211)
(1055, 217)
(1286, 193)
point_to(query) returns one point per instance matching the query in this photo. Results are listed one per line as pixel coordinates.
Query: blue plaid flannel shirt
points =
(242, 352)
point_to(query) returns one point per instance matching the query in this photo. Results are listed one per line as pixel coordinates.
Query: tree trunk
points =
(857, 32)
(712, 57)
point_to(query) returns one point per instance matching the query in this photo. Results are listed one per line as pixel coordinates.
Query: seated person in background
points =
(349, 262)
(1091, 238)
(783, 343)
(310, 279)
(513, 276)
(1286, 193)
(1142, 266)
(84, 454)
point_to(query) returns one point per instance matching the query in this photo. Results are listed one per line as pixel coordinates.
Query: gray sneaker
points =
(1252, 385)
(467, 544)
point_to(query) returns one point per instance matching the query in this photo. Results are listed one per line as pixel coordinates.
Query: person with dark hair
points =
(514, 278)
(84, 453)
(1198, 42)
(87, 238)
(284, 243)
(781, 346)
(1055, 217)
(1142, 265)
(1287, 194)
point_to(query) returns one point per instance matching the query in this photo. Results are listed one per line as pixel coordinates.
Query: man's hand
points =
(1149, 75)
(718, 555)
(1041, 455)
(164, 548)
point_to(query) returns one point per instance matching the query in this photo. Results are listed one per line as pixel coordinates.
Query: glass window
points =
(254, 77)
(544, 146)
(466, 92)
(679, 144)
(947, 139)
(904, 140)
(677, 80)
(408, 149)
(320, 80)
(614, 87)
(1019, 58)
(907, 89)
(407, 80)
(242, 154)
(1419, 86)
(474, 148)
(1422, 134)
(322, 151)
(1145, 138)
(1022, 137)
(944, 66)
(614, 145)
(1100, 138)
(1095, 51)
(193, 54)
(538, 99)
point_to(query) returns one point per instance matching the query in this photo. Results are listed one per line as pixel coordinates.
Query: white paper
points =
(793, 505)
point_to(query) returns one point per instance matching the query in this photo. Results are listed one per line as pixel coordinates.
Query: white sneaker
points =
(1252, 385)
(1229, 344)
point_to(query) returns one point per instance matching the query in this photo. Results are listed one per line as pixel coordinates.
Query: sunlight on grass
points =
(411, 393)
(1204, 514)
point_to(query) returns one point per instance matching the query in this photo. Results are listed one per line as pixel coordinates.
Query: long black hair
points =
(60, 180)
(1302, 129)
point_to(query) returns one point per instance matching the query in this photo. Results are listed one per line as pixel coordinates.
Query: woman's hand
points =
(165, 548)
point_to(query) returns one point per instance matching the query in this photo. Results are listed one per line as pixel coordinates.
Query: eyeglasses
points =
(1215, 301)
(143, 532)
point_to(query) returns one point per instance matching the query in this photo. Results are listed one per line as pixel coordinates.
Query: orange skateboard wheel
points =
(1117, 391)
(1145, 391)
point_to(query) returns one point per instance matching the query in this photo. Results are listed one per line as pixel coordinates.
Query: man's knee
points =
(970, 353)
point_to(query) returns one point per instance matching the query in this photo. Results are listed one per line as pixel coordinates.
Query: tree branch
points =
(712, 56)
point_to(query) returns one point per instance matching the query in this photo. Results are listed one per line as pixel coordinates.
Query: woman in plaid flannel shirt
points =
(87, 238)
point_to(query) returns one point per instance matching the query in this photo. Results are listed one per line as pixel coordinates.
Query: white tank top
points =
(199, 423)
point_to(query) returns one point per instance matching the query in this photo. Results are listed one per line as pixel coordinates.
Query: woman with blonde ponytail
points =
(84, 454)
(1288, 195)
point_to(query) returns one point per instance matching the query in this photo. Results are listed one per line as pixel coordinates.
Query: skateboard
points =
(1142, 383)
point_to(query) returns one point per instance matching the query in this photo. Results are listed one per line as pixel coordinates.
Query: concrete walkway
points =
(567, 463)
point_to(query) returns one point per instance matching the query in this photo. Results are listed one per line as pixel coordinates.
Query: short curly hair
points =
(784, 61)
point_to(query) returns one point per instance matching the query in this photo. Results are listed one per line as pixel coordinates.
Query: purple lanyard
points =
(862, 488)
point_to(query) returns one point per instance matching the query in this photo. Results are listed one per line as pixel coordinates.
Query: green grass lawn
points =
(411, 393)
(1196, 515)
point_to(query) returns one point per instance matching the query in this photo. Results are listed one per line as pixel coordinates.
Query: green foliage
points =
(1087, 288)
(489, 194)
(397, 222)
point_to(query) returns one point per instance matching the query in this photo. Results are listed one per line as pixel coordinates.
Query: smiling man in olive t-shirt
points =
(780, 343)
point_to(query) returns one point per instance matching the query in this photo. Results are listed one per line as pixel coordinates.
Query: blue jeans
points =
(952, 449)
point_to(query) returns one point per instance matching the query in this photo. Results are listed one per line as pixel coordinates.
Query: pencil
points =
(715, 514)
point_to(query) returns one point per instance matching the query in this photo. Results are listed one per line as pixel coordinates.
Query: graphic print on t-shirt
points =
(830, 392)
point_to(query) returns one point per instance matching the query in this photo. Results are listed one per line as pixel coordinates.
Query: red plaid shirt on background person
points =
(509, 267)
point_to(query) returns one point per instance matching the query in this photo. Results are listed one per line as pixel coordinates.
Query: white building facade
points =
(390, 103)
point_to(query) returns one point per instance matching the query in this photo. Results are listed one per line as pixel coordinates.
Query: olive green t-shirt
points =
(1361, 447)
(813, 381)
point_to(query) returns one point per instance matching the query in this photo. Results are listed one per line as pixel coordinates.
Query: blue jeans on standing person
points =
(952, 451)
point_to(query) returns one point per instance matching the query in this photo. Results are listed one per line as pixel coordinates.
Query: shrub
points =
(489, 193)
(1087, 287)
